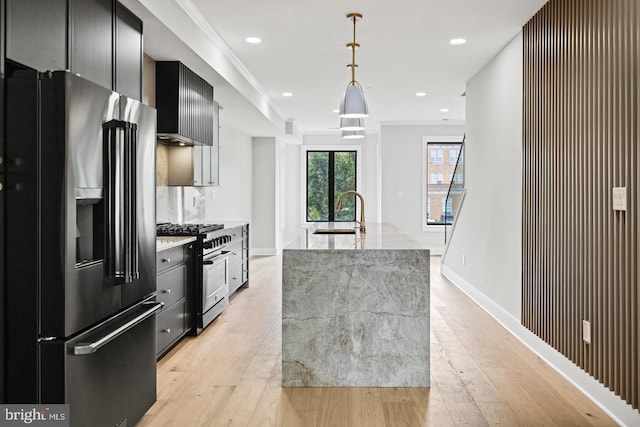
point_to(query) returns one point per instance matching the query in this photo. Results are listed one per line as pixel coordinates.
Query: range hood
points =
(185, 105)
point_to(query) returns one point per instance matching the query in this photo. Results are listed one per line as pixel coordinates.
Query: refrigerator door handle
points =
(85, 348)
(120, 182)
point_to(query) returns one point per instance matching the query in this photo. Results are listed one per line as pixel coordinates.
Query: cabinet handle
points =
(166, 259)
(167, 331)
(166, 291)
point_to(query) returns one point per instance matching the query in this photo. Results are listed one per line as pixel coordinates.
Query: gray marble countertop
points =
(378, 236)
(355, 309)
(227, 223)
(167, 242)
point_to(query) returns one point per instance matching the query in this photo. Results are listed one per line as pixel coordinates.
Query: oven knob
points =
(216, 242)
(227, 238)
(208, 244)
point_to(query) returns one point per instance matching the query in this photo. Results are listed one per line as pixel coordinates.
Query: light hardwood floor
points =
(480, 374)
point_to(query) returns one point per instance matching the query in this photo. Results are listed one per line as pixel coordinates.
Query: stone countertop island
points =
(355, 309)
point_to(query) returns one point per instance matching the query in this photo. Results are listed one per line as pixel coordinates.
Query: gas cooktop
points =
(169, 229)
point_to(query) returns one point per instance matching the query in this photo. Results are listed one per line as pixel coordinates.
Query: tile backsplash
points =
(180, 204)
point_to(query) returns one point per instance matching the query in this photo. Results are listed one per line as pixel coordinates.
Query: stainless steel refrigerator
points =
(80, 203)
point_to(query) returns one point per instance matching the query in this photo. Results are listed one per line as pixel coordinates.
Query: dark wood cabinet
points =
(36, 33)
(174, 288)
(128, 54)
(185, 105)
(91, 40)
(101, 40)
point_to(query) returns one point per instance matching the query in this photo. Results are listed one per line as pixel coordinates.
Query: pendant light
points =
(352, 134)
(351, 124)
(353, 104)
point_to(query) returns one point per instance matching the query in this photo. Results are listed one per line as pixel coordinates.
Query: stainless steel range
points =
(211, 278)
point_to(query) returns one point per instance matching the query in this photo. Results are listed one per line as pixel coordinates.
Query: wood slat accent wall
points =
(580, 133)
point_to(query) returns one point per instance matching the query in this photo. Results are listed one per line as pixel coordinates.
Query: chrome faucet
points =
(339, 207)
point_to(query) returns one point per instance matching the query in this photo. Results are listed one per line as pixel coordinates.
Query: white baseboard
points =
(264, 251)
(616, 408)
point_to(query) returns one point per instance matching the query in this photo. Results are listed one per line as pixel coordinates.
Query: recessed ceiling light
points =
(287, 94)
(253, 40)
(421, 93)
(444, 110)
(457, 41)
(337, 110)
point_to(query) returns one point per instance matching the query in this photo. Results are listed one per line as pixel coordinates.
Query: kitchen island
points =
(355, 309)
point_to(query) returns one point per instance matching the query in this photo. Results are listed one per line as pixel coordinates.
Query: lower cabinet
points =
(174, 289)
(238, 258)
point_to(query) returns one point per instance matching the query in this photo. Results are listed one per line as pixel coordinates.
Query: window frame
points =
(303, 174)
(433, 139)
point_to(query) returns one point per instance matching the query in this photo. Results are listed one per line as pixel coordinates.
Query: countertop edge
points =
(168, 242)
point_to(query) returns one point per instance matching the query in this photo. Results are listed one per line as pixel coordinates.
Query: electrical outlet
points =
(464, 259)
(619, 198)
(586, 331)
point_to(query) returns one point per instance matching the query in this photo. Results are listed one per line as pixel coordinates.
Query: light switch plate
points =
(619, 198)
(586, 331)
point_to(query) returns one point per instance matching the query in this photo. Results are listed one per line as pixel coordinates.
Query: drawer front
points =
(170, 326)
(245, 271)
(170, 285)
(245, 250)
(235, 252)
(236, 233)
(235, 277)
(169, 258)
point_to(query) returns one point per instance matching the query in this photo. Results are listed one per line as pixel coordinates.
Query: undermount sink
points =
(334, 231)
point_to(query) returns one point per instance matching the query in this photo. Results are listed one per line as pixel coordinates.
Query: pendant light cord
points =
(353, 46)
(353, 54)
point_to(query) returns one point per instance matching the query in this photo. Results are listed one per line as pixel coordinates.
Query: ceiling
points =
(404, 49)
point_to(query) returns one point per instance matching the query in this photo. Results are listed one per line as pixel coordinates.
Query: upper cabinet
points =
(36, 33)
(185, 105)
(128, 57)
(91, 40)
(97, 39)
(196, 166)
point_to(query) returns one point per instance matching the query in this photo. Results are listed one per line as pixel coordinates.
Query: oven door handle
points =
(85, 348)
(213, 259)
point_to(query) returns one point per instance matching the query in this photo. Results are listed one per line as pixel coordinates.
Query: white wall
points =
(293, 187)
(265, 191)
(488, 228)
(401, 179)
(232, 199)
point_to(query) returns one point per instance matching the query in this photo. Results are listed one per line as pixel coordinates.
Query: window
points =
(453, 156)
(438, 176)
(329, 174)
